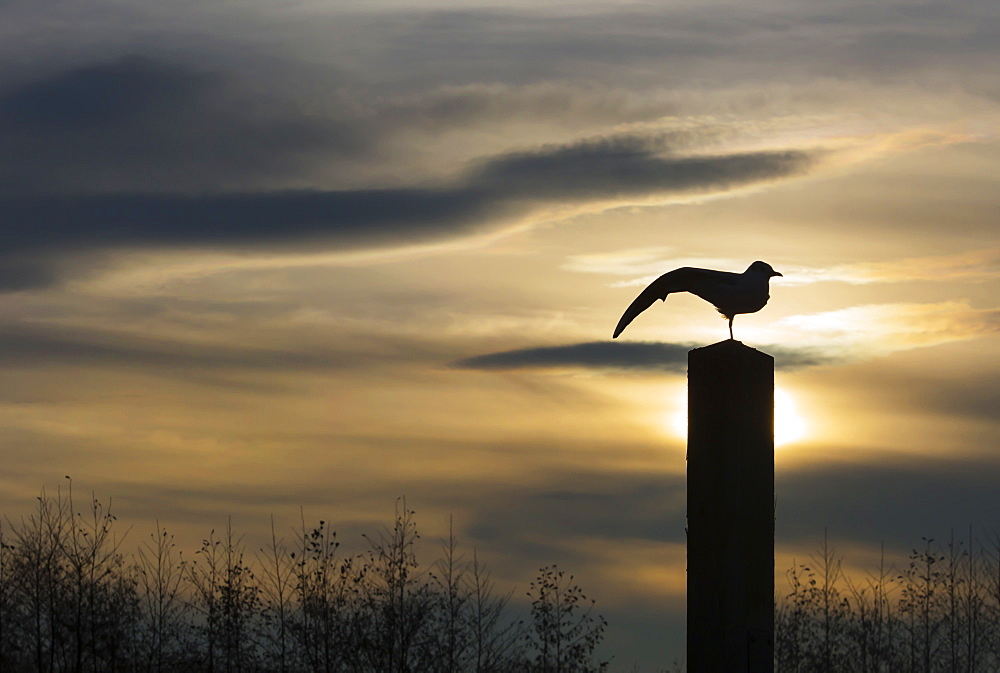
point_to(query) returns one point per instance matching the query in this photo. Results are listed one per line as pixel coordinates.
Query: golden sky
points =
(317, 254)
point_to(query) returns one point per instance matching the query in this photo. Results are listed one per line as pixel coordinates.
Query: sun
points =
(789, 425)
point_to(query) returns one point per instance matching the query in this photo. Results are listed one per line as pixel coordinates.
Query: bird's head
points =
(762, 268)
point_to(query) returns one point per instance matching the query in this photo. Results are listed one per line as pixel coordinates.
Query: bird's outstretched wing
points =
(684, 279)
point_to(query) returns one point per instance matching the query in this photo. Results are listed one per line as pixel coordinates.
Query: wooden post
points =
(730, 497)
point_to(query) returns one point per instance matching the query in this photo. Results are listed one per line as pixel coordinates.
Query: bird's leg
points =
(731, 327)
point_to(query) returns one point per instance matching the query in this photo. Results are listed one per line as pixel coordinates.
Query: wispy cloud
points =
(880, 329)
(642, 265)
(970, 266)
(820, 339)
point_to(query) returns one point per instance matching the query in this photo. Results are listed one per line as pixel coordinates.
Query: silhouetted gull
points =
(730, 293)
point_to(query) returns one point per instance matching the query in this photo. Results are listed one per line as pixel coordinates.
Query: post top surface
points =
(729, 347)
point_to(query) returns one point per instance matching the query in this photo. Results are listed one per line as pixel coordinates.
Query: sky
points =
(265, 256)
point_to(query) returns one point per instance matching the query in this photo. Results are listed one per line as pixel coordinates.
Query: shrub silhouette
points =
(72, 600)
(940, 613)
(564, 633)
(68, 599)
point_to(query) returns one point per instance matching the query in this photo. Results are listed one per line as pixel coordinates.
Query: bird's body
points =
(730, 293)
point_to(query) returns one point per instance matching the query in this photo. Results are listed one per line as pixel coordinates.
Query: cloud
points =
(595, 355)
(135, 123)
(676, 44)
(843, 336)
(21, 274)
(48, 345)
(629, 166)
(590, 504)
(880, 329)
(642, 265)
(892, 500)
(969, 266)
(652, 260)
(500, 191)
(141, 125)
(629, 356)
(975, 397)
(351, 218)
(889, 501)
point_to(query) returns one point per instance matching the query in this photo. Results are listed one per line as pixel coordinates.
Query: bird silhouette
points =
(730, 293)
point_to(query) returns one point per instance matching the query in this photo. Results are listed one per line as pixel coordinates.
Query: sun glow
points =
(789, 425)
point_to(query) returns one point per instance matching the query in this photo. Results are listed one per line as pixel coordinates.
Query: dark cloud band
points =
(94, 148)
(139, 125)
(635, 356)
(370, 216)
(72, 223)
(23, 347)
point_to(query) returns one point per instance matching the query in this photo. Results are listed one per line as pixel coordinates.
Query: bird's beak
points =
(775, 273)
